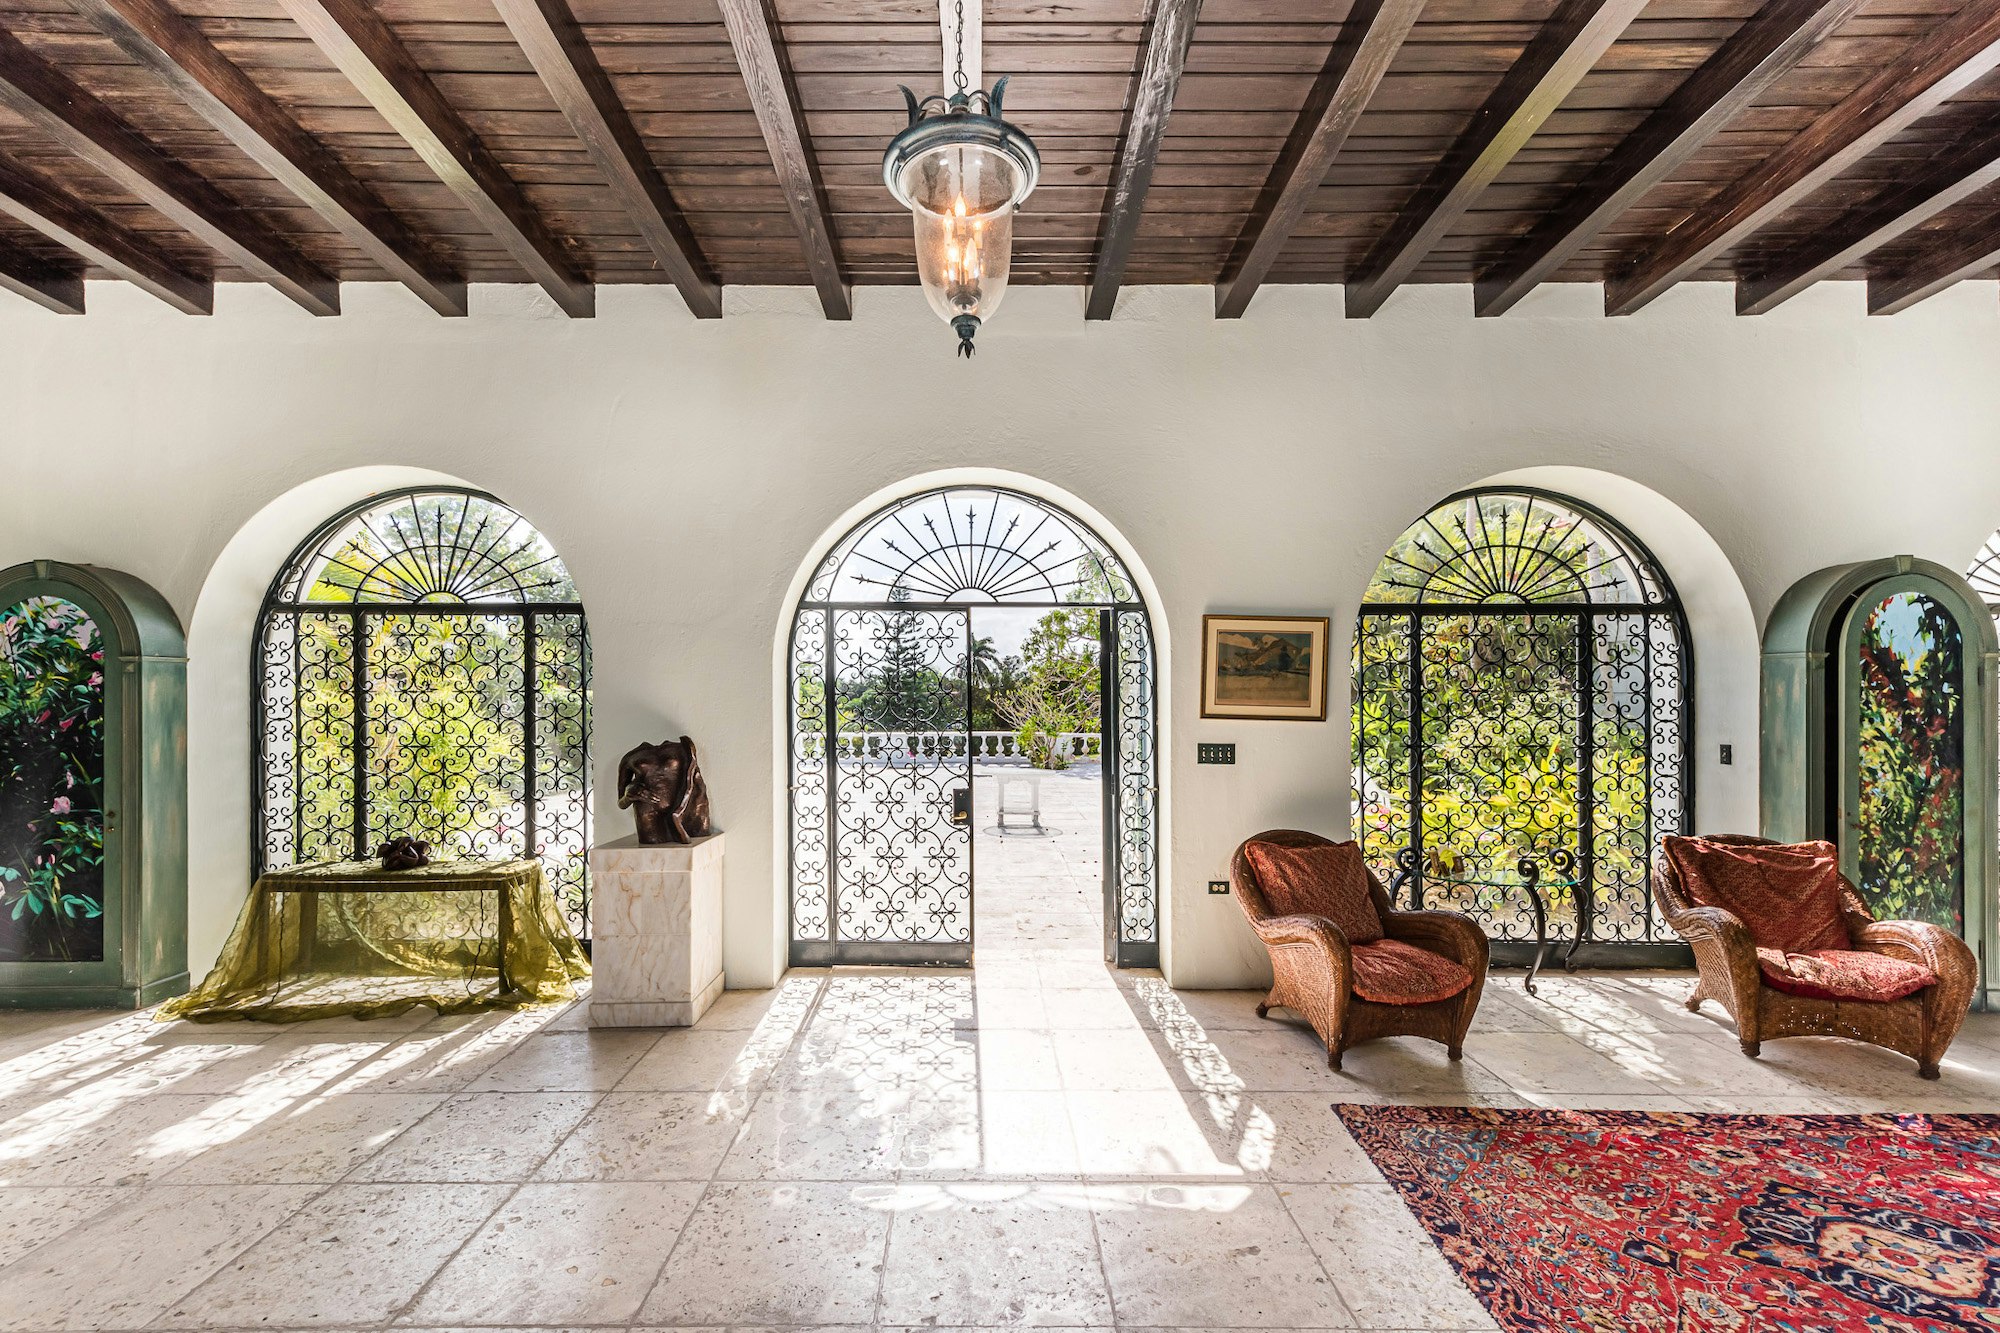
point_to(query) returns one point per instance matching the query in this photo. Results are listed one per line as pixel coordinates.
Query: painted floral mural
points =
(51, 783)
(1911, 859)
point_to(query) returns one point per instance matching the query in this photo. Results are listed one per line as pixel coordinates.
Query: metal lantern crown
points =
(962, 170)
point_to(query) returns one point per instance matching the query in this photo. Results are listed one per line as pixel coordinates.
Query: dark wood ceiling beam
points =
(375, 61)
(1145, 122)
(555, 46)
(86, 127)
(1369, 39)
(1952, 259)
(39, 203)
(53, 288)
(1740, 71)
(1853, 239)
(175, 49)
(1937, 66)
(767, 73)
(1568, 45)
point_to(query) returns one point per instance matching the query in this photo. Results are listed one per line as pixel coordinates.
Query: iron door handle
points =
(961, 805)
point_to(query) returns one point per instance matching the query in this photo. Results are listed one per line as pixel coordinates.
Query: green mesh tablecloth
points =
(348, 938)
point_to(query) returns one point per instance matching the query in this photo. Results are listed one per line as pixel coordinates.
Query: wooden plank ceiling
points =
(303, 144)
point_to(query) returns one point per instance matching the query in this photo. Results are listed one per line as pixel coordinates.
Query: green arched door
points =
(1879, 736)
(93, 790)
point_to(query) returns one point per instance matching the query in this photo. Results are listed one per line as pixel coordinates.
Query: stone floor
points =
(1040, 1142)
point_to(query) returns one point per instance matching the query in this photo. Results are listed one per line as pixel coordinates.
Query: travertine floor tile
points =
(992, 1255)
(130, 1263)
(481, 1136)
(757, 1253)
(646, 1136)
(1223, 1256)
(560, 1253)
(355, 1256)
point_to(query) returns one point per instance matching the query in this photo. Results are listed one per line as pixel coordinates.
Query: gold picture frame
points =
(1264, 668)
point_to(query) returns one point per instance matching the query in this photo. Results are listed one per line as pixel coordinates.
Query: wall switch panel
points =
(1215, 753)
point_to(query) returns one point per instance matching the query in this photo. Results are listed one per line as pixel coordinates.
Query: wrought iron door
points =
(881, 839)
(899, 733)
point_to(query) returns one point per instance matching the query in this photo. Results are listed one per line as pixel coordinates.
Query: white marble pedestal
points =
(656, 932)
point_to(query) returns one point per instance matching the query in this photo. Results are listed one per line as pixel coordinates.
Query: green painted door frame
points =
(145, 796)
(1807, 774)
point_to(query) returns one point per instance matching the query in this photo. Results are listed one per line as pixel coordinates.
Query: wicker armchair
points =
(1313, 963)
(1920, 1025)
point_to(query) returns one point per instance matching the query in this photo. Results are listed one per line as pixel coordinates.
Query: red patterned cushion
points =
(1392, 972)
(1786, 895)
(1843, 974)
(1326, 879)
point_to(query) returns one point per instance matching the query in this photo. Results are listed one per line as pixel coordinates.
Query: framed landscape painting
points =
(1264, 667)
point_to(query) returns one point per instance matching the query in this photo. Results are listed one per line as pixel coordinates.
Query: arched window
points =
(423, 669)
(1523, 688)
(886, 682)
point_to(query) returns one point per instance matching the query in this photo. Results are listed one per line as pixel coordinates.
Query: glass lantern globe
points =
(962, 171)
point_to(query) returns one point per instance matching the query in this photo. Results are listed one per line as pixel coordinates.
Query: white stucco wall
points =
(686, 471)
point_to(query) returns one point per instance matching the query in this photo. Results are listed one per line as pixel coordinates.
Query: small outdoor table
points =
(348, 938)
(1529, 877)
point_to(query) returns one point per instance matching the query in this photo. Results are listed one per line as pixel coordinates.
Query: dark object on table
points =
(662, 786)
(404, 854)
(1791, 951)
(1343, 958)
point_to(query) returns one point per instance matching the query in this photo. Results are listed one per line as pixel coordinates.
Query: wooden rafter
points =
(1575, 36)
(53, 288)
(1369, 39)
(86, 127)
(1775, 40)
(375, 61)
(1938, 66)
(1171, 30)
(220, 93)
(1854, 238)
(1951, 259)
(555, 46)
(767, 73)
(31, 199)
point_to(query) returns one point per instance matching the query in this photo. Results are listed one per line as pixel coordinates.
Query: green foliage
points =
(1058, 692)
(51, 783)
(1911, 862)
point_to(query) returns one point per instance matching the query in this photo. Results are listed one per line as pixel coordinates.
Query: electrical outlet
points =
(1218, 886)
(1729, 754)
(1215, 753)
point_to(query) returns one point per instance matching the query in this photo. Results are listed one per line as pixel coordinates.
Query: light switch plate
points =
(1215, 752)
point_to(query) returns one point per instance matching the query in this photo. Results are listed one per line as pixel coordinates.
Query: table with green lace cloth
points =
(348, 938)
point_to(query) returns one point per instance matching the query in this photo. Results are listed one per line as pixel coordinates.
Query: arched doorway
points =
(1524, 690)
(891, 674)
(93, 789)
(423, 668)
(1879, 735)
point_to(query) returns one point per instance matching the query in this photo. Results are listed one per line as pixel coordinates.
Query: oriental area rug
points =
(1649, 1220)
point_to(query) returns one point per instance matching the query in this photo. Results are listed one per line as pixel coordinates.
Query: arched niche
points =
(94, 710)
(1878, 703)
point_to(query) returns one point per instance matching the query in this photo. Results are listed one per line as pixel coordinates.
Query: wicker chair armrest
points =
(1698, 924)
(1302, 929)
(1452, 934)
(1918, 942)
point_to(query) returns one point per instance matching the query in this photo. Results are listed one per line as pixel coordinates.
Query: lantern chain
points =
(958, 75)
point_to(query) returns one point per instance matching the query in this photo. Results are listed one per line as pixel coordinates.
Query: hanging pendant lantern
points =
(962, 170)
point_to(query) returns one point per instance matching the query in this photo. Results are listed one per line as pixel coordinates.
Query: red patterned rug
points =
(1650, 1220)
